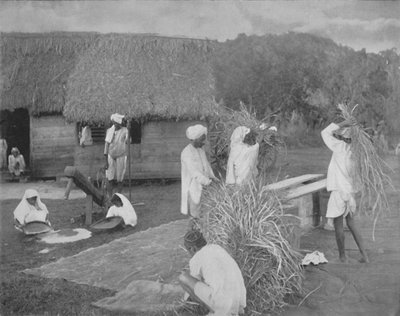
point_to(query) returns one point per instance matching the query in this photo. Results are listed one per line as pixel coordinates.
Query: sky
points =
(373, 25)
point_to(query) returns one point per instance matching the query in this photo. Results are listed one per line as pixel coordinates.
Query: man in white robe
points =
(342, 203)
(196, 171)
(115, 152)
(214, 280)
(243, 156)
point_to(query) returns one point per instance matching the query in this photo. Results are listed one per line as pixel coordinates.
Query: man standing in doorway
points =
(115, 152)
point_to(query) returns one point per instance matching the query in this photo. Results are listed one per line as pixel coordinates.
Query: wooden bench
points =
(303, 194)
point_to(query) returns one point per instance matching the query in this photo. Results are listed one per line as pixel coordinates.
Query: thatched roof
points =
(35, 68)
(143, 76)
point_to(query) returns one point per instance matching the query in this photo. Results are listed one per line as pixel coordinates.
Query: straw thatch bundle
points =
(35, 68)
(368, 173)
(142, 76)
(249, 223)
(222, 126)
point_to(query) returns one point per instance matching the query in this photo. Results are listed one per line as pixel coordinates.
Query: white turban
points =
(117, 118)
(273, 128)
(196, 131)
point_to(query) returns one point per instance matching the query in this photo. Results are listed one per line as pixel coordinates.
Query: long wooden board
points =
(288, 183)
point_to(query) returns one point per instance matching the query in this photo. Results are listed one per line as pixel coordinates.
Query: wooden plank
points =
(287, 183)
(306, 189)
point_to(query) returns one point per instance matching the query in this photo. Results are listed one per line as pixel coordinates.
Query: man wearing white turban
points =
(196, 171)
(243, 157)
(115, 152)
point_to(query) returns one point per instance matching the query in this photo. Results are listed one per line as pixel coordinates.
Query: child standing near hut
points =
(196, 171)
(342, 203)
(115, 152)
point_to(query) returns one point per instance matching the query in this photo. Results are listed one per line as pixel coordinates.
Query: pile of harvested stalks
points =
(249, 223)
(368, 173)
(271, 144)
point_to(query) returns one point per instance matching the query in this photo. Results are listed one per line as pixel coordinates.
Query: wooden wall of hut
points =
(52, 143)
(157, 156)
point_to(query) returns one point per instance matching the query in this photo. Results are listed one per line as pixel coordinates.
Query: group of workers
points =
(214, 278)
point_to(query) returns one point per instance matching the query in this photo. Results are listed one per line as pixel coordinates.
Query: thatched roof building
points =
(144, 76)
(35, 69)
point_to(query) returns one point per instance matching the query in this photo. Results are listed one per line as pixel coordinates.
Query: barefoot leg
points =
(339, 233)
(357, 237)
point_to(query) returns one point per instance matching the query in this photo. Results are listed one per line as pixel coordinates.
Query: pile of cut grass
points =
(249, 223)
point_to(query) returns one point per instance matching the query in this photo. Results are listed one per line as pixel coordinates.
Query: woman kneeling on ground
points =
(122, 207)
(30, 209)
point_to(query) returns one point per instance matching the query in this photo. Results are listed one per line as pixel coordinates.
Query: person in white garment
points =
(3, 153)
(214, 280)
(30, 209)
(115, 152)
(122, 207)
(85, 136)
(342, 203)
(196, 171)
(243, 156)
(16, 163)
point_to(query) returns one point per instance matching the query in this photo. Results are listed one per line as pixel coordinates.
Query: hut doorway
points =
(15, 130)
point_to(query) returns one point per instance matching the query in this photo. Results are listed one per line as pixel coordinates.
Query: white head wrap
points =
(117, 118)
(196, 131)
(239, 134)
(273, 128)
(23, 208)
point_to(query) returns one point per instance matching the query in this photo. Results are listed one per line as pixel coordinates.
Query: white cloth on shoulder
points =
(222, 285)
(117, 118)
(26, 212)
(126, 211)
(243, 158)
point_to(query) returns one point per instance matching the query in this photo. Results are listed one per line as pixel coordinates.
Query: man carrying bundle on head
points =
(342, 203)
(115, 152)
(215, 280)
(243, 156)
(196, 171)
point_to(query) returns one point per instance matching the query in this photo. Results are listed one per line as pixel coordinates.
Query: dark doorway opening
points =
(15, 130)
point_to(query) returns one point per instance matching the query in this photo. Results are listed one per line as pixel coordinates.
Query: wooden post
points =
(68, 188)
(129, 159)
(88, 209)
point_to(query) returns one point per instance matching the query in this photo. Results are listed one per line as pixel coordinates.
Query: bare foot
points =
(364, 259)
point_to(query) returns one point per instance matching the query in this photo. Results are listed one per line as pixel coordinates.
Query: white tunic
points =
(339, 176)
(242, 163)
(195, 172)
(222, 286)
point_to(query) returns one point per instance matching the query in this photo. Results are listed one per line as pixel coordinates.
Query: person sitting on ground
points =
(122, 207)
(215, 280)
(243, 157)
(196, 171)
(30, 209)
(342, 203)
(16, 163)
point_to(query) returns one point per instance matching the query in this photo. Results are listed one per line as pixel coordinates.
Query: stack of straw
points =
(368, 173)
(220, 137)
(249, 223)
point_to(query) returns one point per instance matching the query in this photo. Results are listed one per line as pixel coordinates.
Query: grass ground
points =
(23, 294)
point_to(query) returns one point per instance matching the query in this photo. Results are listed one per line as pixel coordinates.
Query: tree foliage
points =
(309, 75)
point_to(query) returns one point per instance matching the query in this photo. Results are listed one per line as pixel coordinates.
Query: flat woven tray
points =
(36, 227)
(107, 223)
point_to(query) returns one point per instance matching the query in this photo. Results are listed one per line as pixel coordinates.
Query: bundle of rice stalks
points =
(249, 223)
(271, 144)
(368, 173)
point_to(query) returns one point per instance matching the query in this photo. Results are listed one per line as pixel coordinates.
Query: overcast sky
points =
(374, 25)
